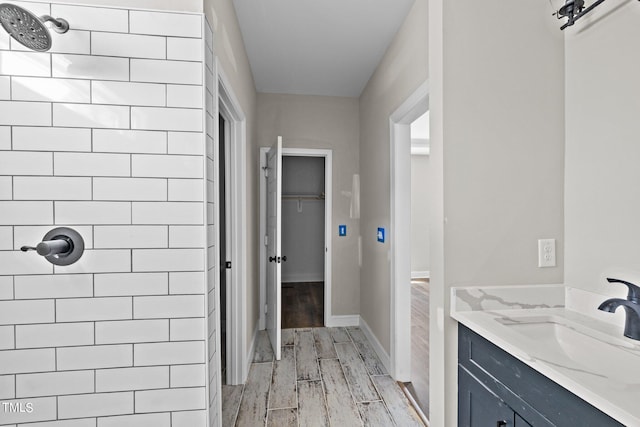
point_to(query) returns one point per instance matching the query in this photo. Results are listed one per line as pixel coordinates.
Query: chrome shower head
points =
(28, 29)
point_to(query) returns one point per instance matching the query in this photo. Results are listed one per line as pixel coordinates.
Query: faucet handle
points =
(634, 290)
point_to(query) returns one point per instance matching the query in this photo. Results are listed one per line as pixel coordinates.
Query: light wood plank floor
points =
(419, 385)
(326, 377)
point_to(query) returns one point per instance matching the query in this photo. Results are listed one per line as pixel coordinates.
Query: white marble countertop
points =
(595, 361)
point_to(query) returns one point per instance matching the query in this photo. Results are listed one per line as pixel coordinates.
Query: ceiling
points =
(311, 47)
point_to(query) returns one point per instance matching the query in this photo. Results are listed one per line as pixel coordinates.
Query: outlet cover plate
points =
(547, 253)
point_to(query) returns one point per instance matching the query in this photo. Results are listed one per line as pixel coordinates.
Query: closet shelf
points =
(303, 196)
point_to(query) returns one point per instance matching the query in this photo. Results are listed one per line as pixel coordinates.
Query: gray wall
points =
(602, 193)
(325, 123)
(402, 69)
(497, 153)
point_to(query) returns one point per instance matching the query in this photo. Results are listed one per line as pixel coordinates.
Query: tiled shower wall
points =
(104, 134)
(211, 99)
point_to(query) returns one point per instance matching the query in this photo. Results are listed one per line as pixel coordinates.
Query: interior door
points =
(274, 226)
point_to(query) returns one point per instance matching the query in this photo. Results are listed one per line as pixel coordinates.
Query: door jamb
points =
(229, 106)
(328, 221)
(400, 234)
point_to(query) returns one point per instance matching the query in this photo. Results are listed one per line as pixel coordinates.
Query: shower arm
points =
(59, 25)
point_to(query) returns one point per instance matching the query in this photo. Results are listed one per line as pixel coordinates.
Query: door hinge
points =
(266, 240)
(266, 172)
(227, 264)
(266, 309)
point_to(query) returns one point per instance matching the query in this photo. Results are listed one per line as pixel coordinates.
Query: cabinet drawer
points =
(533, 396)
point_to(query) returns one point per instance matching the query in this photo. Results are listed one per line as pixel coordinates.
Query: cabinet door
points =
(478, 406)
(519, 422)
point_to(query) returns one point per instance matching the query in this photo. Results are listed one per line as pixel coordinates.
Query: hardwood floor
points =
(326, 377)
(303, 305)
(419, 385)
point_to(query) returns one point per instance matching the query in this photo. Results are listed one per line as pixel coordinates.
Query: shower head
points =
(28, 29)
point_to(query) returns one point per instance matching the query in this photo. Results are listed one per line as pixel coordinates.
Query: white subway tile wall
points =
(211, 118)
(105, 134)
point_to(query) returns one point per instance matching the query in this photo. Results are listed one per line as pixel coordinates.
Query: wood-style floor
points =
(302, 305)
(419, 385)
(326, 377)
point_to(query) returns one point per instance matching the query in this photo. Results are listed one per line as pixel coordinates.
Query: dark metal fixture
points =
(574, 10)
(631, 306)
(60, 246)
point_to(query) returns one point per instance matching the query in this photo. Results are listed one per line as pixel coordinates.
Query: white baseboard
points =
(420, 274)
(345, 320)
(303, 278)
(252, 349)
(377, 347)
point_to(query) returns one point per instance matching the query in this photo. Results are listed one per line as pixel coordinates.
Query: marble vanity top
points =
(585, 355)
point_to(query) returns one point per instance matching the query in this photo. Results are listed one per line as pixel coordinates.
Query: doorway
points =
(303, 198)
(409, 328)
(306, 237)
(227, 189)
(418, 387)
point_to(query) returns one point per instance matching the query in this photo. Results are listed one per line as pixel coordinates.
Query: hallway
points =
(326, 377)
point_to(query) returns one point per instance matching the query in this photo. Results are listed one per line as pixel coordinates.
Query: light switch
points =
(342, 230)
(380, 234)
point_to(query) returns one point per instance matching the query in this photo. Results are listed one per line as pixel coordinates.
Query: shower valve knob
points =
(60, 246)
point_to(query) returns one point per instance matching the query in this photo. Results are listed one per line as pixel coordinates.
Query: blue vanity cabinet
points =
(497, 390)
(478, 405)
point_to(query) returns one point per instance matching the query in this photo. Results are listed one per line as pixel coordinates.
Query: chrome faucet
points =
(631, 306)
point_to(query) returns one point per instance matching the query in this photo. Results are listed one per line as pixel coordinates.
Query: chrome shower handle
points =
(50, 247)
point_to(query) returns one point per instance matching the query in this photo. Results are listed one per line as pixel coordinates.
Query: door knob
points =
(501, 423)
(272, 259)
(284, 258)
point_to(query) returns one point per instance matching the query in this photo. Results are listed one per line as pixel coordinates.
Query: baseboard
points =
(303, 278)
(420, 274)
(346, 320)
(252, 349)
(377, 347)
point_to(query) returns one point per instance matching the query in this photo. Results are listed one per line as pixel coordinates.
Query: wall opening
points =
(408, 258)
(303, 224)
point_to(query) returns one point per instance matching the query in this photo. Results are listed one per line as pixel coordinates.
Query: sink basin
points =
(577, 348)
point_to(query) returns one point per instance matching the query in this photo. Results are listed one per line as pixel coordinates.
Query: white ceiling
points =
(311, 47)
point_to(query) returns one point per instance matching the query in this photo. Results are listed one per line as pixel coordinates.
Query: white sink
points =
(578, 348)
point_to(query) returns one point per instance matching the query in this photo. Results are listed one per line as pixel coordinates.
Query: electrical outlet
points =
(547, 253)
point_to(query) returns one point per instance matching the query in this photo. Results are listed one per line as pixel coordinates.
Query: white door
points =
(274, 266)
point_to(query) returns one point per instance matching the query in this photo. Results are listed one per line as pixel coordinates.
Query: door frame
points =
(400, 234)
(229, 107)
(223, 112)
(328, 221)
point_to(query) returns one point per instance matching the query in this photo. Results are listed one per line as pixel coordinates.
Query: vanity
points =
(526, 359)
